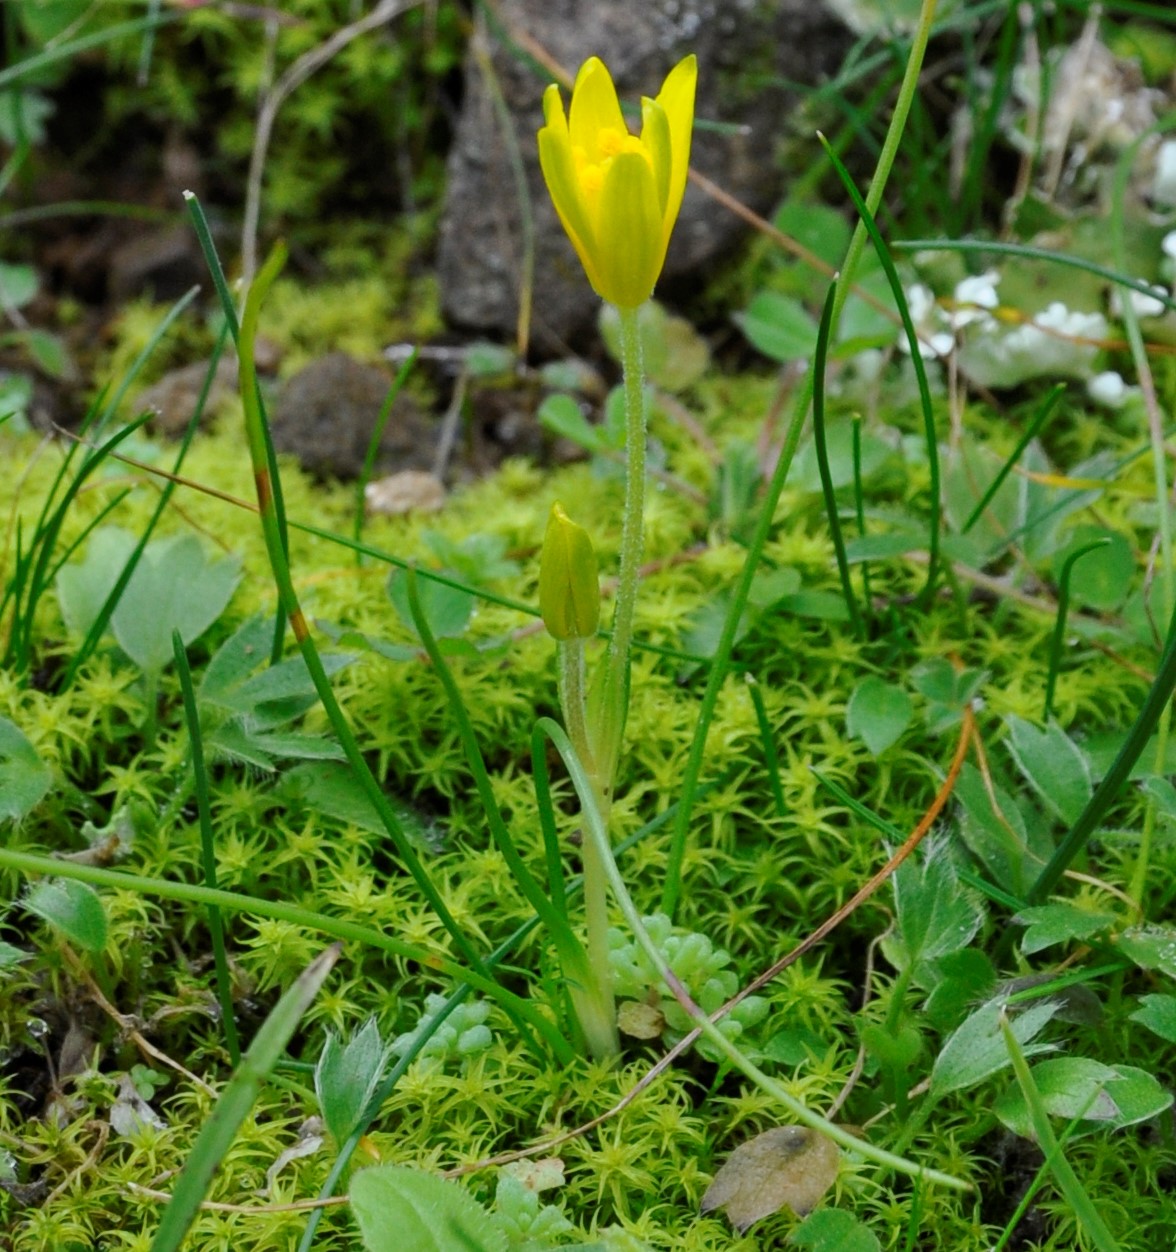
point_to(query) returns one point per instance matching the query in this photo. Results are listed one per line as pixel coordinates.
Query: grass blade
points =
(1080, 1203)
(216, 929)
(820, 357)
(235, 1102)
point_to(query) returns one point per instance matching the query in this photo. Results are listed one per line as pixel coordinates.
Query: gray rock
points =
(745, 49)
(326, 413)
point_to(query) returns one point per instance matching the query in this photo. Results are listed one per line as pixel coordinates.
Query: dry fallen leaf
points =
(790, 1165)
(640, 1021)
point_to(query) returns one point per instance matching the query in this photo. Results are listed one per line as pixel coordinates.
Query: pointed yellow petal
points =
(655, 135)
(553, 110)
(630, 246)
(559, 172)
(594, 109)
(677, 98)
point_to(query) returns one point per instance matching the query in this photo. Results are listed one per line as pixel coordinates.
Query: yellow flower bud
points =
(569, 594)
(618, 194)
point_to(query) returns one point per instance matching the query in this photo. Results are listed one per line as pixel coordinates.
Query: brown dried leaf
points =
(789, 1165)
(640, 1021)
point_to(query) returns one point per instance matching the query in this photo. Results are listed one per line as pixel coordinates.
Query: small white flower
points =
(1168, 244)
(1144, 305)
(1109, 389)
(1164, 187)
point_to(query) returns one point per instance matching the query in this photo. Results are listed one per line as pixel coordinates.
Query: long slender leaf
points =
(235, 1102)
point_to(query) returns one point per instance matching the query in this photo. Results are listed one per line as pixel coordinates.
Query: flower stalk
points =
(618, 196)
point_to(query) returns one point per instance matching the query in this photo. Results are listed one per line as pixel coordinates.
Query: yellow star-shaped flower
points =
(618, 194)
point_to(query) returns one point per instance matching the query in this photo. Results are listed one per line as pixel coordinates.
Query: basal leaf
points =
(406, 1210)
(877, 713)
(1053, 765)
(834, 1230)
(1158, 1014)
(71, 907)
(977, 1049)
(24, 777)
(1059, 923)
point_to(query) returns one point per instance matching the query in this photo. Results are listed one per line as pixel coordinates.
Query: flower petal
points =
(677, 98)
(655, 135)
(631, 240)
(559, 172)
(594, 109)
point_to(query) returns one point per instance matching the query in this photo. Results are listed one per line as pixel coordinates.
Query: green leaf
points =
(332, 789)
(18, 285)
(779, 326)
(936, 916)
(1150, 947)
(834, 1230)
(174, 587)
(561, 414)
(346, 1078)
(1059, 923)
(48, 352)
(83, 586)
(815, 226)
(71, 907)
(1102, 578)
(966, 978)
(24, 777)
(823, 606)
(235, 1101)
(446, 609)
(406, 1210)
(1076, 1087)
(877, 713)
(994, 829)
(1158, 1014)
(977, 1049)
(1053, 765)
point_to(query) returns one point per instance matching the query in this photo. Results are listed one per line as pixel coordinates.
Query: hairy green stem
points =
(608, 724)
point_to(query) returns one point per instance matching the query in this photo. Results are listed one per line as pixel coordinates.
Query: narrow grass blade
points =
(1046, 409)
(83, 43)
(859, 507)
(1034, 254)
(768, 739)
(551, 848)
(39, 567)
(212, 260)
(235, 1102)
(278, 910)
(1059, 630)
(908, 325)
(1108, 790)
(1080, 1203)
(565, 940)
(529, 1021)
(373, 448)
(216, 928)
(820, 358)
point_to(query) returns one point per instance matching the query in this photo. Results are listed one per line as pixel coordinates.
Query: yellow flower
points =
(618, 194)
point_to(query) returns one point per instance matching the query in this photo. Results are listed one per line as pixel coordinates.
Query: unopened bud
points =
(569, 593)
